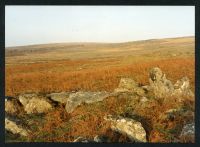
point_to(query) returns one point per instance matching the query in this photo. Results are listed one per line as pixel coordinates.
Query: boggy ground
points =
(99, 73)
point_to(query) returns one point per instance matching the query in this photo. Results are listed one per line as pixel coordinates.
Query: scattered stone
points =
(59, 97)
(13, 106)
(188, 132)
(129, 85)
(163, 87)
(76, 99)
(159, 84)
(127, 126)
(12, 127)
(34, 103)
(38, 106)
(182, 88)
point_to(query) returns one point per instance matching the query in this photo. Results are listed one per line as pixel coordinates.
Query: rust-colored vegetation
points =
(57, 76)
(99, 74)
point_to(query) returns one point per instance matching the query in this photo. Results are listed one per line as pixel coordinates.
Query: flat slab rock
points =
(76, 99)
(12, 127)
(59, 97)
(127, 126)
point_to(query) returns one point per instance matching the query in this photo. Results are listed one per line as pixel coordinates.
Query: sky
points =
(26, 25)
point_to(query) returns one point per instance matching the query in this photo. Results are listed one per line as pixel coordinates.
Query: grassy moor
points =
(97, 67)
(90, 66)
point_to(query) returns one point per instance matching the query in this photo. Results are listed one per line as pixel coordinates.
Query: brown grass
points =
(87, 120)
(58, 76)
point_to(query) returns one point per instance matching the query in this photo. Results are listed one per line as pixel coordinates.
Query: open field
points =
(98, 67)
(63, 67)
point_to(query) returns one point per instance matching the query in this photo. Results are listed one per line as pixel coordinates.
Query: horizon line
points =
(81, 42)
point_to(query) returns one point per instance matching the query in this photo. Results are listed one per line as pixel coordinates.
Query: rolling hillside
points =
(183, 46)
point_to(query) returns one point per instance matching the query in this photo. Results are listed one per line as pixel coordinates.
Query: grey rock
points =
(59, 97)
(188, 131)
(159, 84)
(25, 98)
(129, 85)
(182, 88)
(156, 74)
(34, 103)
(162, 87)
(76, 99)
(127, 126)
(38, 106)
(12, 127)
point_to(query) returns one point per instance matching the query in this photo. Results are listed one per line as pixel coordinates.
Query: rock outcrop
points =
(159, 84)
(76, 99)
(25, 98)
(162, 87)
(59, 97)
(129, 85)
(34, 103)
(131, 98)
(127, 126)
(182, 88)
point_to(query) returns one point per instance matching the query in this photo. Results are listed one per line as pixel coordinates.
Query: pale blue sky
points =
(25, 25)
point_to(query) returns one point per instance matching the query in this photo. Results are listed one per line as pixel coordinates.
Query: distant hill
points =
(181, 45)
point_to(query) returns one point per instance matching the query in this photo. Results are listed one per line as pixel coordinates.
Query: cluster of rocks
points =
(162, 87)
(123, 125)
(159, 85)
